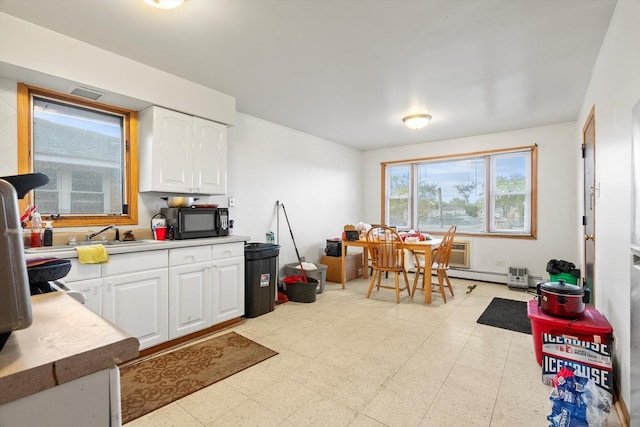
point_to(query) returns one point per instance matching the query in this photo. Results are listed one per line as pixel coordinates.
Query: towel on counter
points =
(92, 254)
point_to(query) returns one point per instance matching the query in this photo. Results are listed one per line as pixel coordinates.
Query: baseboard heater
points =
(488, 276)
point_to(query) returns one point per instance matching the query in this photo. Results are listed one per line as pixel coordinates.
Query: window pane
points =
(510, 204)
(451, 193)
(398, 191)
(480, 193)
(82, 152)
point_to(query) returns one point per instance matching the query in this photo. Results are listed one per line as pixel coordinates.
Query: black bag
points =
(556, 267)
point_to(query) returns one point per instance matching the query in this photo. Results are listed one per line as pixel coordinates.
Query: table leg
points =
(365, 260)
(427, 276)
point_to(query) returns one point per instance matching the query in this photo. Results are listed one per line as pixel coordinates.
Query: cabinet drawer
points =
(190, 255)
(82, 271)
(227, 250)
(137, 261)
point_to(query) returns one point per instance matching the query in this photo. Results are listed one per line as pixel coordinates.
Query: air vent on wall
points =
(460, 254)
(84, 92)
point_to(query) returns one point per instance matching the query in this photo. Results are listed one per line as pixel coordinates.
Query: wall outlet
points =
(232, 202)
(500, 263)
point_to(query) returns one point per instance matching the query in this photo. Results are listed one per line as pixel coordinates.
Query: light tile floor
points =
(346, 360)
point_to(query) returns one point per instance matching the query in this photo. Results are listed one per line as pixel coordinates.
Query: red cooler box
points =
(592, 327)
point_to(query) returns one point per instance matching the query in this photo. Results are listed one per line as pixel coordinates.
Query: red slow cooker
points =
(562, 299)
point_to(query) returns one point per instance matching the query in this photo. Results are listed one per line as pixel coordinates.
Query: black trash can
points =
(260, 278)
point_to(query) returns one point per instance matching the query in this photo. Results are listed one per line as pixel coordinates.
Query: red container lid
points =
(592, 322)
(292, 280)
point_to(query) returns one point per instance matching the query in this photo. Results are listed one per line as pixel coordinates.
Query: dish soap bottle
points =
(36, 230)
(47, 240)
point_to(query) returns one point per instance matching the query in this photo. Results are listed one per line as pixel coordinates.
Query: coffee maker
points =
(15, 299)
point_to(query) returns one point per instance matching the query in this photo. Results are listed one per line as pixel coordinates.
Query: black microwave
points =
(194, 223)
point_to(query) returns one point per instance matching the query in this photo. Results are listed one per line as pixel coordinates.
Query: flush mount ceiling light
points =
(164, 4)
(416, 121)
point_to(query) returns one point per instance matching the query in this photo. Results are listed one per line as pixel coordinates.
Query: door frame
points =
(589, 190)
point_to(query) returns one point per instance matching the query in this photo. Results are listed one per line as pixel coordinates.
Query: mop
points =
(304, 275)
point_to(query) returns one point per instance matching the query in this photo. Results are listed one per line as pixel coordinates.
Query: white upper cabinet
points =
(210, 157)
(182, 154)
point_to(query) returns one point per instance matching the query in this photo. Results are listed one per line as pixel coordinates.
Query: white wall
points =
(318, 182)
(614, 90)
(558, 214)
(8, 128)
(26, 47)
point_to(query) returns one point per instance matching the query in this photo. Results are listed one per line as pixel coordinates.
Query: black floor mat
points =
(507, 314)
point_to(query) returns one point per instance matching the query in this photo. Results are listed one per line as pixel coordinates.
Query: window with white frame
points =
(483, 193)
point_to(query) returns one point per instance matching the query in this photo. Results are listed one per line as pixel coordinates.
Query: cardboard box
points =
(353, 268)
(589, 359)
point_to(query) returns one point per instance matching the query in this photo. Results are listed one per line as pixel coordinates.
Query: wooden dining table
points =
(425, 246)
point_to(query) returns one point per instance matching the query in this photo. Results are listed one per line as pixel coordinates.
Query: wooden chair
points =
(440, 258)
(386, 250)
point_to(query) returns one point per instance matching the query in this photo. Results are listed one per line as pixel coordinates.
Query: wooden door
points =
(590, 195)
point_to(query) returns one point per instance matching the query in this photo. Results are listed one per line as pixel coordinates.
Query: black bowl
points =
(51, 270)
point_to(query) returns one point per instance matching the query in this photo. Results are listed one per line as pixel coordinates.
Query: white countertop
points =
(147, 245)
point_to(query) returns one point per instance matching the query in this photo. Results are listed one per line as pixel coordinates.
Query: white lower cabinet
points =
(206, 287)
(161, 295)
(85, 401)
(91, 290)
(137, 303)
(85, 279)
(228, 283)
(189, 299)
(135, 291)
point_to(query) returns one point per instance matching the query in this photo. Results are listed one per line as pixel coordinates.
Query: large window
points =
(86, 149)
(484, 193)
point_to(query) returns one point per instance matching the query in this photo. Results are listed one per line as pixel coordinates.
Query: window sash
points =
(470, 195)
(117, 195)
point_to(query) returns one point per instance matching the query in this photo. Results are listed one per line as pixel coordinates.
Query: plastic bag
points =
(556, 267)
(577, 401)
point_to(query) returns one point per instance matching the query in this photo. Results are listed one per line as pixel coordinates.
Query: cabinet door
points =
(166, 151)
(138, 303)
(210, 157)
(91, 290)
(189, 299)
(228, 289)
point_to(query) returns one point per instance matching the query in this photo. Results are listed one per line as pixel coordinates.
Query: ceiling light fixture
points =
(164, 4)
(416, 121)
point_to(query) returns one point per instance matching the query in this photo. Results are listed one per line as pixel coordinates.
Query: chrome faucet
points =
(110, 227)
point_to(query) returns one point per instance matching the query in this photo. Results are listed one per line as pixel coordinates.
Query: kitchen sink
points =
(106, 243)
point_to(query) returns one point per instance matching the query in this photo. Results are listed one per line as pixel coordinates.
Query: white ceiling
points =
(349, 70)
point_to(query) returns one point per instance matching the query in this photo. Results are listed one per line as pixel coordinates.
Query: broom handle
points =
(304, 275)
